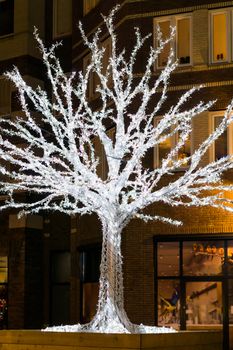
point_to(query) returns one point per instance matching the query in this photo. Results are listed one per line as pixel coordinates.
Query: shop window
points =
(169, 303)
(6, 17)
(62, 18)
(3, 292)
(202, 258)
(219, 27)
(223, 145)
(89, 271)
(230, 260)
(60, 288)
(168, 259)
(204, 303)
(200, 295)
(181, 44)
(88, 5)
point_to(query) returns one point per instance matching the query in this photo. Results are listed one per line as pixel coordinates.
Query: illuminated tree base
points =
(108, 320)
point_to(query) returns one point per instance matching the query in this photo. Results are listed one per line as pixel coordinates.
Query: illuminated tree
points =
(55, 156)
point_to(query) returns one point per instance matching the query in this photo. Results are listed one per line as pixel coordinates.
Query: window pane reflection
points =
(165, 30)
(168, 303)
(220, 37)
(203, 303)
(168, 258)
(203, 258)
(183, 41)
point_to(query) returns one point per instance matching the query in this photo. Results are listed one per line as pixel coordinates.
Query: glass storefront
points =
(194, 284)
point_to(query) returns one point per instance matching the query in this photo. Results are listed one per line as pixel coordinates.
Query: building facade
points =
(172, 276)
(181, 277)
(34, 251)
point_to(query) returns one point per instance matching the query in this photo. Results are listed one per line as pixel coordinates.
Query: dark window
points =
(90, 272)
(60, 288)
(6, 17)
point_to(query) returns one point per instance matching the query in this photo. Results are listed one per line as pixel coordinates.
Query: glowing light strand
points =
(62, 165)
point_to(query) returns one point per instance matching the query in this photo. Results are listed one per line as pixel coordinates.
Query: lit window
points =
(184, 152)
(219, 36)
(162, 150)
(62, 21)
(3, 269)
(183, 40)
(181, 44)
(223, 145)
(165, 30)
(88, 5)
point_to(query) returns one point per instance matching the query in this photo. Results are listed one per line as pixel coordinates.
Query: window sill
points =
(6, 36)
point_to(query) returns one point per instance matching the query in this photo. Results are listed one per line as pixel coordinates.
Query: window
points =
(89, 271)
(223, 145)
(88, 5)
(190, 280)
(3, 291)
(62, 18)
(6, 17)
(182, 41)
(5, 97)
(93, 78)
(220, 36)
(60, 288)
(162, 150)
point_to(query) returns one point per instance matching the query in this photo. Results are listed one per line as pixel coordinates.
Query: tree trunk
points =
(110, 310)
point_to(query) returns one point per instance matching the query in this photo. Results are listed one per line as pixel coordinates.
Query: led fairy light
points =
(62, 168)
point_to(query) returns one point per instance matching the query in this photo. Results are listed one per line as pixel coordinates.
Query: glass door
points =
(204, 305)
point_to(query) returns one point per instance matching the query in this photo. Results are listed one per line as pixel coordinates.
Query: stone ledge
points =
(36, 340)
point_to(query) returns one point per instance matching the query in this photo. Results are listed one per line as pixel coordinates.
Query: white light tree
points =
(60, 166)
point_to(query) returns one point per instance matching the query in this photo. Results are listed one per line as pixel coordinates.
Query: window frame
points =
(55, 21)
(229, 26)
(174, 43)
(229, 129)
